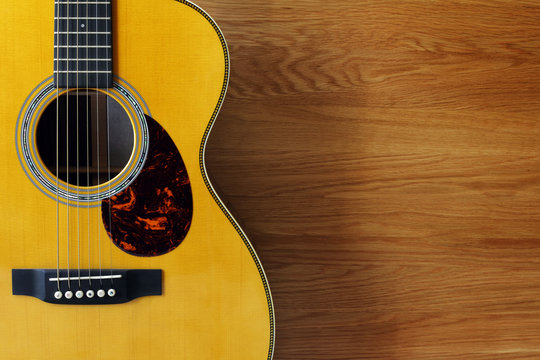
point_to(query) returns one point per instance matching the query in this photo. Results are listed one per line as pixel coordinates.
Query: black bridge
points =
(96, 288)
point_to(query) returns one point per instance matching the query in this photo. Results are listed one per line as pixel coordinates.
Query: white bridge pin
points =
(111, 292)
(90, 293)
(58, 295)
(79, 294)
(101, 293)
(69, 294)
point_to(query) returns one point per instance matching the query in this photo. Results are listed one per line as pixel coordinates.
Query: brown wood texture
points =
(384, 158)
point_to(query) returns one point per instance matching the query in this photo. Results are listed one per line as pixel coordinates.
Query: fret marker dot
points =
(82, 25)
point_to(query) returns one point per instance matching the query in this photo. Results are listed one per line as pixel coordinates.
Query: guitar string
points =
(98, 153)
(108, 27)
(57, 147)
(67, 151)
(78, 169)
(88, 149)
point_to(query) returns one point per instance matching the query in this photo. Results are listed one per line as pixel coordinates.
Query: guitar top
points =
(115, 244)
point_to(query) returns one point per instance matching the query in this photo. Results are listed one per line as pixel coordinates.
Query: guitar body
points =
(215, 301)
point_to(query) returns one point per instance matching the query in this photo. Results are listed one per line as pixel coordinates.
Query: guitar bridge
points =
(85, 287)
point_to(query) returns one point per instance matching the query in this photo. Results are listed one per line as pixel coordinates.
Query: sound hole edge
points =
(95, 138)
(43, 96)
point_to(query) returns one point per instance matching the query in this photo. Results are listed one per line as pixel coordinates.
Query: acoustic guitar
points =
(114, 243)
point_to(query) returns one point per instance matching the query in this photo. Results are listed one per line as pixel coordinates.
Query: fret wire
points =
(93, 39)
(80, 59)
(82, 53)
(83, 32)
(83, 66)
(81, 17)
(105, 64)
(72, 72)
(90, 26)
(90, 10)
(64, 19)
(82, 46)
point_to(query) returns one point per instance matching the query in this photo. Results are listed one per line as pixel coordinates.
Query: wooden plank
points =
(384, 159)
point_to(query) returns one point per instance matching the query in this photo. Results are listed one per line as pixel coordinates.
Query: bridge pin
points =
(79, 294)
(90, 293)
(111, 292)
(68, 294)
(101, 293)
(58, 295)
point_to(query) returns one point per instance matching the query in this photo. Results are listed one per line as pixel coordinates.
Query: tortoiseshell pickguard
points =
(153, 215)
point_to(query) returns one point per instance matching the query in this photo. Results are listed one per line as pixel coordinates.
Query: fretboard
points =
(83, 44)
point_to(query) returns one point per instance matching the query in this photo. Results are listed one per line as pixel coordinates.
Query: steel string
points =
(109, 58)
(57, 147)
(67, 149)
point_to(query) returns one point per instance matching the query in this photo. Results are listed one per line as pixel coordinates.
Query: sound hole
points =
(95, 137)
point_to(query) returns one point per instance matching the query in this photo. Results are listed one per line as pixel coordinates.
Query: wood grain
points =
(383, 157)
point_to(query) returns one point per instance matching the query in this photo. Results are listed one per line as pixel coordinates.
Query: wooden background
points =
(384, 158)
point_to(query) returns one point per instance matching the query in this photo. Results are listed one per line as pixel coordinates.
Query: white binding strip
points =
(103, 277)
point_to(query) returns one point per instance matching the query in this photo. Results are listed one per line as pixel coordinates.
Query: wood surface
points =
(384, 158)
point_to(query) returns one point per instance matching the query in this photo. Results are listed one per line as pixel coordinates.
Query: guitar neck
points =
(83, 44)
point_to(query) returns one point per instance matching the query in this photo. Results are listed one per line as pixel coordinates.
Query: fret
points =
(78, 66)
(82, 26)
(89, 53)
(82, 32)
(81, 39)
(80, 59)
(83, 79)
(82, 11)
(74, 70)
(83, 71)
(82, 2)
(82, 18)
(82, 46)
